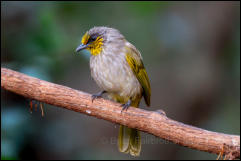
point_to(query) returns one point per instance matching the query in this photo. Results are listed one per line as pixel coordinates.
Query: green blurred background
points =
(191, 52)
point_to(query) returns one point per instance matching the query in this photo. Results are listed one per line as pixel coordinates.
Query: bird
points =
(117, 67)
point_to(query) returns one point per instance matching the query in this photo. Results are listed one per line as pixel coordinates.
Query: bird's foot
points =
(126, 105)
(97, 95)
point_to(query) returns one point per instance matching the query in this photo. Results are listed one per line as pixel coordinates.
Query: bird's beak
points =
(81, 47)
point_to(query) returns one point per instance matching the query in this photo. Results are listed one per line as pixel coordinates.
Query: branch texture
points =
(152, 122)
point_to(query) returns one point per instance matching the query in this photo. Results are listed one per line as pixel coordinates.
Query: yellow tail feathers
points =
(129, 141)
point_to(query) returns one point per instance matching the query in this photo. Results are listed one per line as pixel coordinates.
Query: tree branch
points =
(152, 122)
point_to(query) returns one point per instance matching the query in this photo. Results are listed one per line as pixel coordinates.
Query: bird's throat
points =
(95, 51)
(96, 47)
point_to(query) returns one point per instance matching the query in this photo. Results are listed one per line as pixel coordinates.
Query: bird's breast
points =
(113, 74)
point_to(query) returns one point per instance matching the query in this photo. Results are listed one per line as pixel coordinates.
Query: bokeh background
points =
(191, 52)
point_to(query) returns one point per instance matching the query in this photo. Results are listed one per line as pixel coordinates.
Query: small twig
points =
(148, 121)
(31, 106)
(220, 155)
(41, 107)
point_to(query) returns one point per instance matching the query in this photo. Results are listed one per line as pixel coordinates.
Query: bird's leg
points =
(97, 95)
(126, 105)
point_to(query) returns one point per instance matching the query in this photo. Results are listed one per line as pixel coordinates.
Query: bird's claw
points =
(97, 95)
(126, 106)
(94, 96)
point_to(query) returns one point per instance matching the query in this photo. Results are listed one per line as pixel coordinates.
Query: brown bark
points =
(153, 122)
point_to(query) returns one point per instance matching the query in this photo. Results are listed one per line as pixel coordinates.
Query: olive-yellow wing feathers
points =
(133, 57)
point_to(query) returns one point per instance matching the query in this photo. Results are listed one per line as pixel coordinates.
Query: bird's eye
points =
(92, 38)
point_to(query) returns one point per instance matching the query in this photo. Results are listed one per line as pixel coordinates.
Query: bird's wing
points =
(134, 59)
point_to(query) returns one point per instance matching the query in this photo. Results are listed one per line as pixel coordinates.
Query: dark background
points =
(191, 52)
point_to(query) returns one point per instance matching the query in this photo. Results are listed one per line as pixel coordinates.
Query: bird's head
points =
(98, 38)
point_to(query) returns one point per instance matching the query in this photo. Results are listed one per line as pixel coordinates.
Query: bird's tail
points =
(129, 140)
